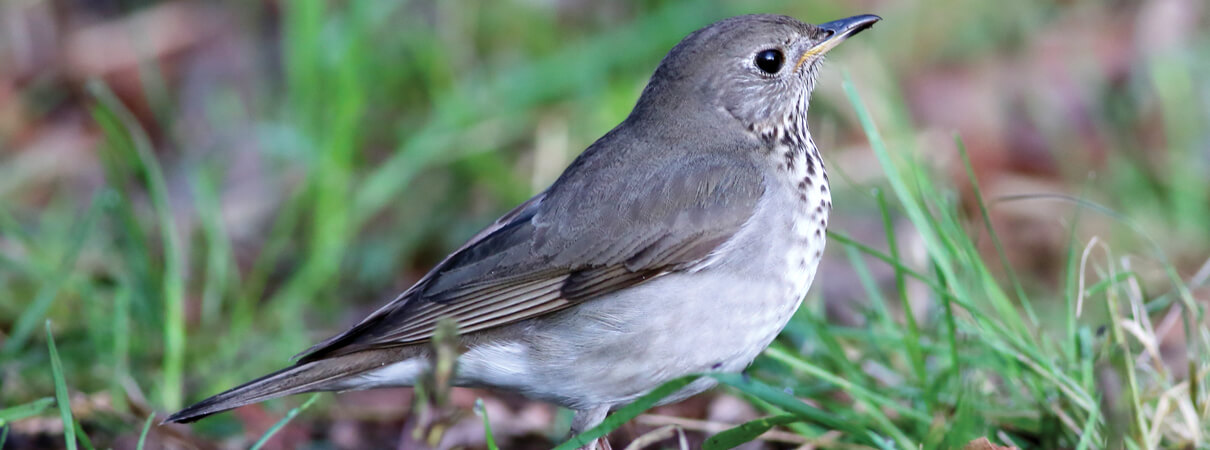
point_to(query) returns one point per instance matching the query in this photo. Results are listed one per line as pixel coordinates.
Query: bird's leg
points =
(585, 420)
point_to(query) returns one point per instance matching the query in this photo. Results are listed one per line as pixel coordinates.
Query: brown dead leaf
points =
(984, 444)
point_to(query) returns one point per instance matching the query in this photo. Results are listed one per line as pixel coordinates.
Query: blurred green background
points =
(192, 192)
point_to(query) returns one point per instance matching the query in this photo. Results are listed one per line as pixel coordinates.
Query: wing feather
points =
(426, 318)
(584, 238)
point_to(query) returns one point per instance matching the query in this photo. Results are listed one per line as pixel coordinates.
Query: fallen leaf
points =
(984, 444)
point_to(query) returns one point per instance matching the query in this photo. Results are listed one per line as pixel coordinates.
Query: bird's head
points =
(756, 71)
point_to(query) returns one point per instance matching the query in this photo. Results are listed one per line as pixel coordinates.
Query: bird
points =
(680, 242)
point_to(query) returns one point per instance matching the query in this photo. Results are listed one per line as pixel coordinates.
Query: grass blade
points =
(747, 431)
(487, 425)
(785, 401)
(912, 340)
(284, 420)
(173, 283)
(792, 360)
(146, 428)
(61, 394)
(809, 413)
(83, 438)
(219, 259)
(991, 232)
(909, 199)
(31, 409)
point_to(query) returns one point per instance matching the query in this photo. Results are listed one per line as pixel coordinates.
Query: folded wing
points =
(584, 238)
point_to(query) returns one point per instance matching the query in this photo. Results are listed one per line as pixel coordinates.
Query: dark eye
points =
(770, 60)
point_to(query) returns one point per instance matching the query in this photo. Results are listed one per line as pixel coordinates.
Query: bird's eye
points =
(770, 60)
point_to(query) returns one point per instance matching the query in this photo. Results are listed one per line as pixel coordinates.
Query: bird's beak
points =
(840, 30)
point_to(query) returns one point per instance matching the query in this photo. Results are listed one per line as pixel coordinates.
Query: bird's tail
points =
(312, 376)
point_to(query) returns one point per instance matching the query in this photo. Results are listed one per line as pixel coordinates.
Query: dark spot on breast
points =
(802, 197)
(808, 181)
(802, 184)
(768, 136)
(823, 188)
(810, 167)
(818, 254)
(716, 366)
(818, 232)
(819, 209)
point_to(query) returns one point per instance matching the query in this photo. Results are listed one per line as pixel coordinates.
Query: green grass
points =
(386, 137)
(62, 397)
(284, 420)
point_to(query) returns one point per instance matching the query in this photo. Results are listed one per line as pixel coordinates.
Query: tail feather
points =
(321, 375)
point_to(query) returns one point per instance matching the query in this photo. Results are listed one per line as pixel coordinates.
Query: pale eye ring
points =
(769, 61)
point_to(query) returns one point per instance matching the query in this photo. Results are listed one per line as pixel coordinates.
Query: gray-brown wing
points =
(590, 234)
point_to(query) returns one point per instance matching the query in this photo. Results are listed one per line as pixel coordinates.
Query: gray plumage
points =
(682, 241)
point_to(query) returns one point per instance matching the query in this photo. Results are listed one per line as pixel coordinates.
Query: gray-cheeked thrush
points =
(680, 242)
